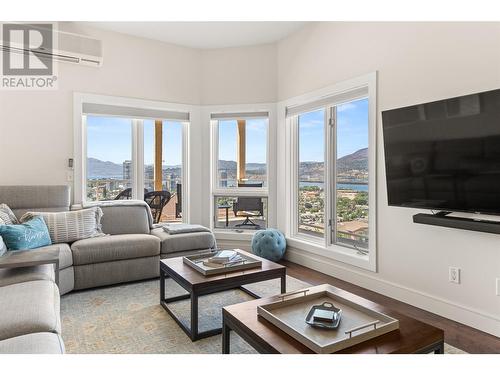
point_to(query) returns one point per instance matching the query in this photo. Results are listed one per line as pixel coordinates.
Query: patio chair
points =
(126, 194)
(248, 207)
(178, 205)
(157, 200)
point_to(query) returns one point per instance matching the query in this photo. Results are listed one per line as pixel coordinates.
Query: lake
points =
(342, 186)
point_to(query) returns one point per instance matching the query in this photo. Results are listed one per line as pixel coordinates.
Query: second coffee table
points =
(198, 285)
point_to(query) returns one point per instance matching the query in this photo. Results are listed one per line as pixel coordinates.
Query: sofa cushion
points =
(29, 235)
(111, 248)
(11, 276)
(29, 307)
(70, 226)
(172, 243)
(34, 343)
(126, 217)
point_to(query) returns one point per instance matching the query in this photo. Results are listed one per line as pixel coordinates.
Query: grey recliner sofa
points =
(132, 249)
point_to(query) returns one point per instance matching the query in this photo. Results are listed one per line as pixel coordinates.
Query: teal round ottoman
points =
(269, 243)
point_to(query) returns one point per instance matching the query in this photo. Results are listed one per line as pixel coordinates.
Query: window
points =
(242, 153)
(240, 171)
(163, 163)
(240, 212)
(109, 157)
(311, 173)
(333, 162)
(130, 151)
(351, 175)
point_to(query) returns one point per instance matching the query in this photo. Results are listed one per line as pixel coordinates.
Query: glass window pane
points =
(352, 174)
(245, 139)
(256, 151)
(228, 133)
(109, 157)
(245, 213)
(171, 165)
(311, 193)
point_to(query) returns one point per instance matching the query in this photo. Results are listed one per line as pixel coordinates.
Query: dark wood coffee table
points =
(198, 285)
(413, 335)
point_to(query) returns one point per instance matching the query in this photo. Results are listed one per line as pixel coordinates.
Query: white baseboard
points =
(437, 305)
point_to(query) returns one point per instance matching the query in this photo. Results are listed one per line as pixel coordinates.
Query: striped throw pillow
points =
(70, 226)
(7, 216)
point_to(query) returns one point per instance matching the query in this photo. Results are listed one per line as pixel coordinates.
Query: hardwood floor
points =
(456, 334)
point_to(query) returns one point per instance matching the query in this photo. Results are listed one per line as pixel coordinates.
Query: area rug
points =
(128, 319)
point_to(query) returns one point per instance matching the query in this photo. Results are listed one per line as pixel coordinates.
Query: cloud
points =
(346, 107)
(311, 124)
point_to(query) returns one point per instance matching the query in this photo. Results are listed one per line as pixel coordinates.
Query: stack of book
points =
(224, 258)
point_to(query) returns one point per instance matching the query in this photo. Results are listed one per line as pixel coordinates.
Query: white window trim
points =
(288, 179)
(269, 191)
(80, 143)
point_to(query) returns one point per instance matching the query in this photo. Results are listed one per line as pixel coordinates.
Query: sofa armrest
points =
(29, 258)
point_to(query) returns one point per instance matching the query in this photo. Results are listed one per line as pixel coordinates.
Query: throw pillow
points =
(29, 235)
(70, 226)
(7, 216)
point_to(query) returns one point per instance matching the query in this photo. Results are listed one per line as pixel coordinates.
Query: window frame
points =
(325, 246)
(80, 144)
(268, 191)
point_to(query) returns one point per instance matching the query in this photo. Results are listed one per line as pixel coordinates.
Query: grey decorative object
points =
(324, 307)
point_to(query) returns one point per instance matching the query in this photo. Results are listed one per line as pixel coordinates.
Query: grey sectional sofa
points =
(132, 249)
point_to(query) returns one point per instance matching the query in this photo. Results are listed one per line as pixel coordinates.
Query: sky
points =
(110, 138)
(352, 131)
(256, 140)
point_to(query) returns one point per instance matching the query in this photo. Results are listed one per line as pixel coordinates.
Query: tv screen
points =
(445, 155)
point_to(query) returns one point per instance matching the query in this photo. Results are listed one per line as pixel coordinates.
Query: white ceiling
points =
(206, 35)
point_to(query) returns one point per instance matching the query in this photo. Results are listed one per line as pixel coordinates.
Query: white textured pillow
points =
(3, 248)
(7, 216)
(70, 226)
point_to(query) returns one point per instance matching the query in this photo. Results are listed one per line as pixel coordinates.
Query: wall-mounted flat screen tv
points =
(445, 155)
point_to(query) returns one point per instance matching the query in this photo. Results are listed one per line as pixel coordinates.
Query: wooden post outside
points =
(158, 157)
(241, 162)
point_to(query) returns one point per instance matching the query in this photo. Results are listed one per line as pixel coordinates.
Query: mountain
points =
(227, 164)
(357, 160)
(231, 165)
(103, 169)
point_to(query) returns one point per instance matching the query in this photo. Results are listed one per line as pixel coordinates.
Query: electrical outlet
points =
(454, 275)
(498, 286)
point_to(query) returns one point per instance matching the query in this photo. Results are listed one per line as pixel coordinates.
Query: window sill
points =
(335, 252)
(222, 234)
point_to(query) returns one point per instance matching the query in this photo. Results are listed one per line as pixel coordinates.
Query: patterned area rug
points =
(128, 319)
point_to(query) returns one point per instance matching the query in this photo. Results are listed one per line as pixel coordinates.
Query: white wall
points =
(416, 62)
(239, 75)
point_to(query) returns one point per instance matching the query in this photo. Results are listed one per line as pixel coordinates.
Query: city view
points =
(351, 201)
(109, 161)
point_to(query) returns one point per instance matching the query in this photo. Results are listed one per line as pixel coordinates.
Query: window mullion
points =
(332, 157)
(138, 158)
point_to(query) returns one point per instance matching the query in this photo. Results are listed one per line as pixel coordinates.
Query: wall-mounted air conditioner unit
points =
(68, 47)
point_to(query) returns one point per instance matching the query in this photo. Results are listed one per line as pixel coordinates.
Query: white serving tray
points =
(196, 262)
(358, 322)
